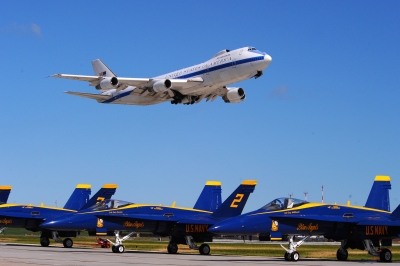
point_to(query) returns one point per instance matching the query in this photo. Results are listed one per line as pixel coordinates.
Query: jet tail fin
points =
(210, 197)
(235, 203)
(100, 69)
(79, 197)
(4, 193)
(379, 196)
(104, 193)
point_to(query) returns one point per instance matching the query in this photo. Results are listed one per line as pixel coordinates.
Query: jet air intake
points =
(162, 85)
(107, 83)
(234, 95)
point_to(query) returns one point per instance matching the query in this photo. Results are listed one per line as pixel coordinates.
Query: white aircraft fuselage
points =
(189, 85)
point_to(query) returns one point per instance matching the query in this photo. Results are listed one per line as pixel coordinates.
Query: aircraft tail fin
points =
(210, 197)
(79, 197)
(4, 193)
(104, 193)
(379, 196)
(100, 69)
(235, 203)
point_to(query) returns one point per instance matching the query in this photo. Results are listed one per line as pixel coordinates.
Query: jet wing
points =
(136, 82)
(137, 217)
(98, 97)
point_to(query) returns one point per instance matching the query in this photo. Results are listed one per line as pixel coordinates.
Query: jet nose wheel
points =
(118, 249)
(44, 241)
(342, 254)
(204, 249)
(385, 255)
(172, 248)
(68, 243)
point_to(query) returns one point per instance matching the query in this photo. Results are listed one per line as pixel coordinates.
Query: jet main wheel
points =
(342, 254)
(172, 248)
(204, 249)
(386, 255)
(44, 241)
(68, 243)
(287, 256)
(295, 256)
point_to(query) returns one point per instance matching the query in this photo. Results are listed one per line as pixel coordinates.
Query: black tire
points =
(68, 243)
(114, 250)
(204, 249)
(295, 256)
(342, 254)
(172, 248)
(385, 255)
(287, 256)
(44, 241)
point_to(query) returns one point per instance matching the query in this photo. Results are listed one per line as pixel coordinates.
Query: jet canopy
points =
(283, 204)
(109, 204)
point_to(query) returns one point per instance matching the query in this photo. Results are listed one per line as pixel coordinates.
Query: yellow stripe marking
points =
(249, 182)
(84, 186)
(110, 186)
(5, 187)
(382, 178)
(213, 183)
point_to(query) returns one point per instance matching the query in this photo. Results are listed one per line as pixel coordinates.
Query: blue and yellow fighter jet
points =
(182, 225)
(365, 228)
(30, 217)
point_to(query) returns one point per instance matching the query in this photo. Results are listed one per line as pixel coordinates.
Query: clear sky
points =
(325, 112)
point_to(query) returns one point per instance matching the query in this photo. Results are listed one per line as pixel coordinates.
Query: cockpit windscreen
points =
(109, 204)
(283, 204)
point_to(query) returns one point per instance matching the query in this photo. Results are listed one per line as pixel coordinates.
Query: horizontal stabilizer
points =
(97, 97)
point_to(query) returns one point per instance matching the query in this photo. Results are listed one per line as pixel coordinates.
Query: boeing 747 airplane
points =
(190, 85)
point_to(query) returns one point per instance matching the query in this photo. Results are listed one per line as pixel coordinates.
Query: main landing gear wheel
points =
(385, 255)
(68, 243)
(287, 256)
(295, 256)
(44, 241)
(342, 254)
(172, 248)
(204, 249)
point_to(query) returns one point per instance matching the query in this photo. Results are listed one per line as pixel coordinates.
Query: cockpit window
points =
(109, 204)
(283, 204)
(251, 49)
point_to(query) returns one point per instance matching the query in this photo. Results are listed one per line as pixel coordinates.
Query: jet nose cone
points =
(267, 58)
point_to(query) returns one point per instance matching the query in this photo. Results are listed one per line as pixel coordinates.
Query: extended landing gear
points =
(172, 248)
(342, 254)
(185, 99)
(117, 247)
(385, 255)
(291, 254)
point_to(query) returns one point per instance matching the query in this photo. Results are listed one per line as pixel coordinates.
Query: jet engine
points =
(162, 85)
(234, 95)
(107, 83)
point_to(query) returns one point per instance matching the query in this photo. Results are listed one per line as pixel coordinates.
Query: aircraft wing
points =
(107, 217)
(98, 97)
(136, 82)
(326, 218)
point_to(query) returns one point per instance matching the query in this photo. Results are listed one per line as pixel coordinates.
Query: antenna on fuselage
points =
(322, 193)
(290, 195)
(305, 195)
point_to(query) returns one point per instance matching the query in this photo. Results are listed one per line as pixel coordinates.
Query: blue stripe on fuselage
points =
(201, 72)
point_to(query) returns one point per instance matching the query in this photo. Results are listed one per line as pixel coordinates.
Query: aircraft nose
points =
(267, 58)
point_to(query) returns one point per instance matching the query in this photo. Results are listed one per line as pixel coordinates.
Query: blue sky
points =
(326, 111)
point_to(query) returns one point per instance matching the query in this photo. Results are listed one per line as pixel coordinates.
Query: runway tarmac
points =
(33, 255)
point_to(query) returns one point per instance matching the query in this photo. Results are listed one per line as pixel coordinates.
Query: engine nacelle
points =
(107, 83)
(234, 95)
(162, 85)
